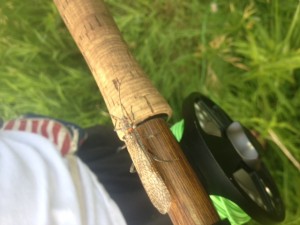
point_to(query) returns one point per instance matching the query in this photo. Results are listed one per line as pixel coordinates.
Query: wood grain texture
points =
(123, 84)
(132, 99)
(190, 202)
(129, 95)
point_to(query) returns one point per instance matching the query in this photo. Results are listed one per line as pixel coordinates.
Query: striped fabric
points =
(64, 137)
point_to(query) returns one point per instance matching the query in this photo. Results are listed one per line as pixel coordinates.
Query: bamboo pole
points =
(137, 109)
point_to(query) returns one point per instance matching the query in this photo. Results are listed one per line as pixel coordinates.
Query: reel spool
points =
(225, 156)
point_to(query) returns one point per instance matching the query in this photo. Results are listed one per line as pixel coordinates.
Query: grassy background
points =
(244, 54)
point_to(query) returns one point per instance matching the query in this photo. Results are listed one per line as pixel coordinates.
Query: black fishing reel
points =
(225, 156)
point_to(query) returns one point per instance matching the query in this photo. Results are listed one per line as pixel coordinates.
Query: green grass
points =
(244, 54)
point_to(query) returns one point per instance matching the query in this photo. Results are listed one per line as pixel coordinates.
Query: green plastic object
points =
(225, 207)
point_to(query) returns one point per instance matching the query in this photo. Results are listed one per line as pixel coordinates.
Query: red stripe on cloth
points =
(35, 125)
(44, 128)
(9, 125)
(66, 145)
(22, 125)
(55, 131)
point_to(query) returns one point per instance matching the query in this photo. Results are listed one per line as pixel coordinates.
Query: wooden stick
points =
(190, 202)
(131, 100)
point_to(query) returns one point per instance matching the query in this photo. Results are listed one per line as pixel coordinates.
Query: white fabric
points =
(39, 187)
